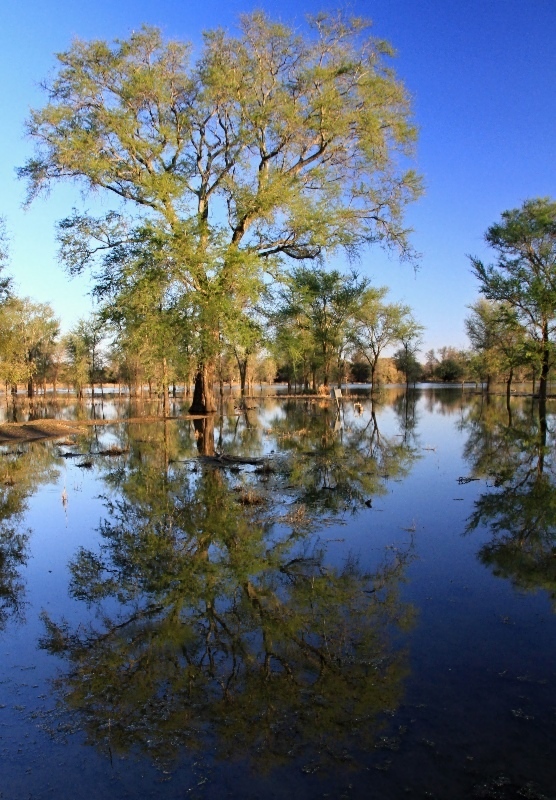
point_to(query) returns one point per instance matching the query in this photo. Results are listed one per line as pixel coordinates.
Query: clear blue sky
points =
(482, 74)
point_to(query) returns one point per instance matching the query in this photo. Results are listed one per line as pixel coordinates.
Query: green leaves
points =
(524, 275)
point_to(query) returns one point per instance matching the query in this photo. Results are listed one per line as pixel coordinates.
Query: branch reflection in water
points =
(220, 619)
(22, 469)
(516, 451)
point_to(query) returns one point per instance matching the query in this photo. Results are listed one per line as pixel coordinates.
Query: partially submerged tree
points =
(28, 333)
(405, 359)
(83, 348)
(270, 147)
(524, 275)
(377, 326)
(321, 304)
(497, 337)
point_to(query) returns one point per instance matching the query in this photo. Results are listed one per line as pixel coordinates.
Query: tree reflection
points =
(13, 556)
(520, 510)
(233, 626)
(334, 464)
(21, 472)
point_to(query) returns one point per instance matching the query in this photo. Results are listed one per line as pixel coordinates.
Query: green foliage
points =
(378, 325)
(405, 361)
(315, 310)
(269, 147)
(524, 276)
(500, 342)
(519, 509)
(83, 349)
(450, 369)
(28, 333)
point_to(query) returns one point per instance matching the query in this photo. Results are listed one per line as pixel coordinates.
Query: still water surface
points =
(356, 606)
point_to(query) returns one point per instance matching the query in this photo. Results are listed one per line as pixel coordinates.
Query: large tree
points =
(524, 275)
(270, 146)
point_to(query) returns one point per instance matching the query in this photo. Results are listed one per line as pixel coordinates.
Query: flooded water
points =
(352, 605)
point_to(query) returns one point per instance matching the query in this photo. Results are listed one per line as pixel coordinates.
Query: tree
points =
(320, 303)
(83, 349)
(497, 337)
(377, 326)
(5, 281)
(524, 275)
(450, 369)
(450, 365)
(28, 333)
(405, 359)
(271, 147)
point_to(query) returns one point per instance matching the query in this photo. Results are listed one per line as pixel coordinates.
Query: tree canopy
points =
(270, 146)
(524, 275)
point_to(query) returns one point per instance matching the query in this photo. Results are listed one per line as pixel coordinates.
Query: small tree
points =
(377, 326)
(405, 358)
(497, 337)
(83, 346)
(524, 275)
(406, 362)
(28, 334)
(321, 303)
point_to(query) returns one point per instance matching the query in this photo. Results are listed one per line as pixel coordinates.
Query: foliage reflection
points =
(221, 617)
(21, 471)
(512, 448)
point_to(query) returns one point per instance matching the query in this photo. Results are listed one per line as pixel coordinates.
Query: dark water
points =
(365, 610)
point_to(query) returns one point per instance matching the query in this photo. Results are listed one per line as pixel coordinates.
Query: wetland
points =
(285, 600)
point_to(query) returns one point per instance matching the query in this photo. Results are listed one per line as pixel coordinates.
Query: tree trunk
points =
(545, 364)
(509, 385)
(30, 388)
(242, 365)
(204, 401)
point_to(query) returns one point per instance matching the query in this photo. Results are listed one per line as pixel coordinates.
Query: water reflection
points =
(22, 470)
(338, 464)
(220, 616)
(511, 447)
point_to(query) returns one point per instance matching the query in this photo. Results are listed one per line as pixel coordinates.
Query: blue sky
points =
(482, 75)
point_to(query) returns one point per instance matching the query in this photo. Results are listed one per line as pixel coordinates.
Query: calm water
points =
(358, 606)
